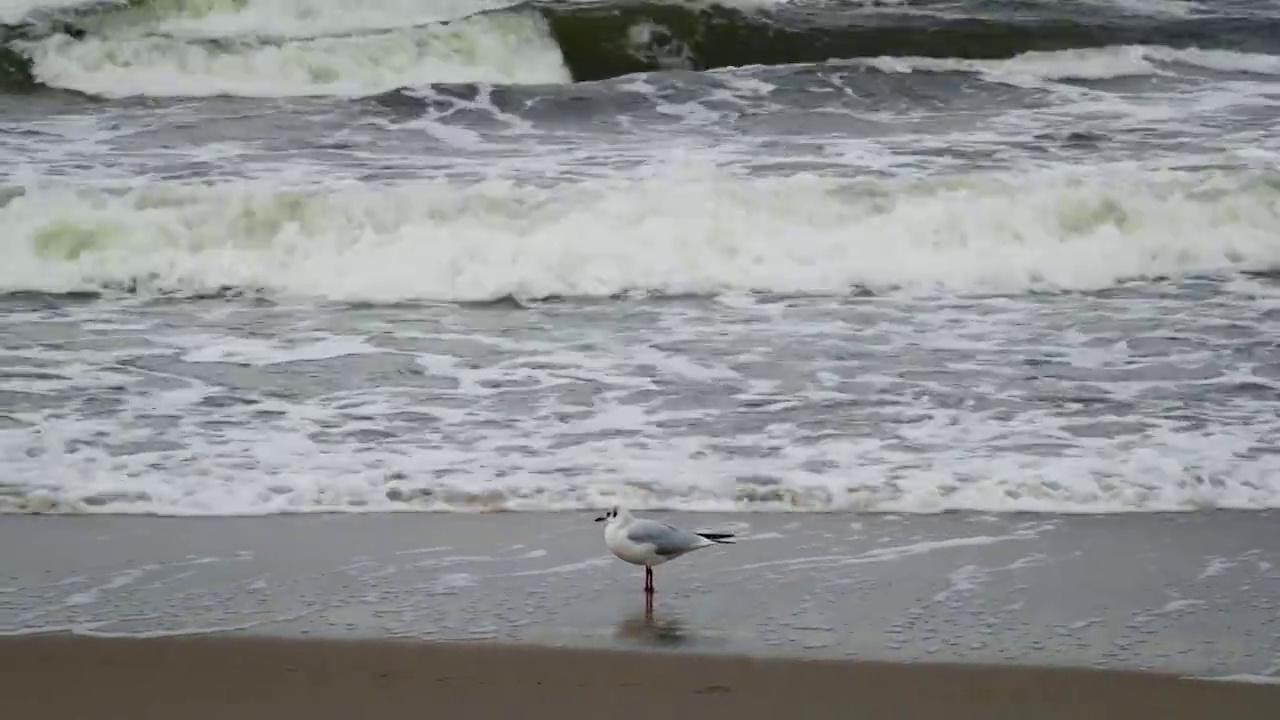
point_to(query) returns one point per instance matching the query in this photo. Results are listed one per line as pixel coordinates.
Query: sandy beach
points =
(948, 616)
(249, 678)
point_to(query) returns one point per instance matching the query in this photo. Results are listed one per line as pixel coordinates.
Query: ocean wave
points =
(608, 40)
(502, 49)
(1087, 63)
(17, 14)
(164, 47)
(673, 231)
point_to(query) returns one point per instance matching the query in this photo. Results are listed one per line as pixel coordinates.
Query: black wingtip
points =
(722, 538)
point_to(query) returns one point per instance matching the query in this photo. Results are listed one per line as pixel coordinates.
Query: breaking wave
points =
(674, 231)
(324, 47)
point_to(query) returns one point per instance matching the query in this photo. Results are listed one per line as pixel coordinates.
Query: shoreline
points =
(1188, 594)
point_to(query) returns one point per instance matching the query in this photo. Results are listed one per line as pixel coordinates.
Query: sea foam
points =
(669, 230)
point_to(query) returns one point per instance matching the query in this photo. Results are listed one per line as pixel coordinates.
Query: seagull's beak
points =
(602, 518)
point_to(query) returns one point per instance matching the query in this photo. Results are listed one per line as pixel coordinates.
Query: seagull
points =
(651, 543)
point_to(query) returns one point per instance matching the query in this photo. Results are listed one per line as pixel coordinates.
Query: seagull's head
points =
(613, 514)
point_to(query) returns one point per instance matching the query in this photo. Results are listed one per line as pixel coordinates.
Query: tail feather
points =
(722, 538)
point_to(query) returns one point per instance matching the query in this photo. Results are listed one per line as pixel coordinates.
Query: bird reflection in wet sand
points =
(650, 628)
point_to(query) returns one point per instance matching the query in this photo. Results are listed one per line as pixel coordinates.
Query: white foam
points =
(675, 230)
(290, 18)
(1224, 60)
(485, 460)
(505, 48)
(560, 569)
(1248, 678)
(266, 458)
(206, 348)
(885, 554)
(1155, 8)
(1084, 63)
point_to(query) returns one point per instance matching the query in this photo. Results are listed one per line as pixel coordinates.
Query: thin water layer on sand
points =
(1193, 594)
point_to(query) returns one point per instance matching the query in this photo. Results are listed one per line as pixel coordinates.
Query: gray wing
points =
(665, 539)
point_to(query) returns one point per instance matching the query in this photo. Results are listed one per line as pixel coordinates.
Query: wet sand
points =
(62, 677)
(1195, 594)
(360, 616)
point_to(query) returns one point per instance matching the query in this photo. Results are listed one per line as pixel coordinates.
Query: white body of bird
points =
(651, 543)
